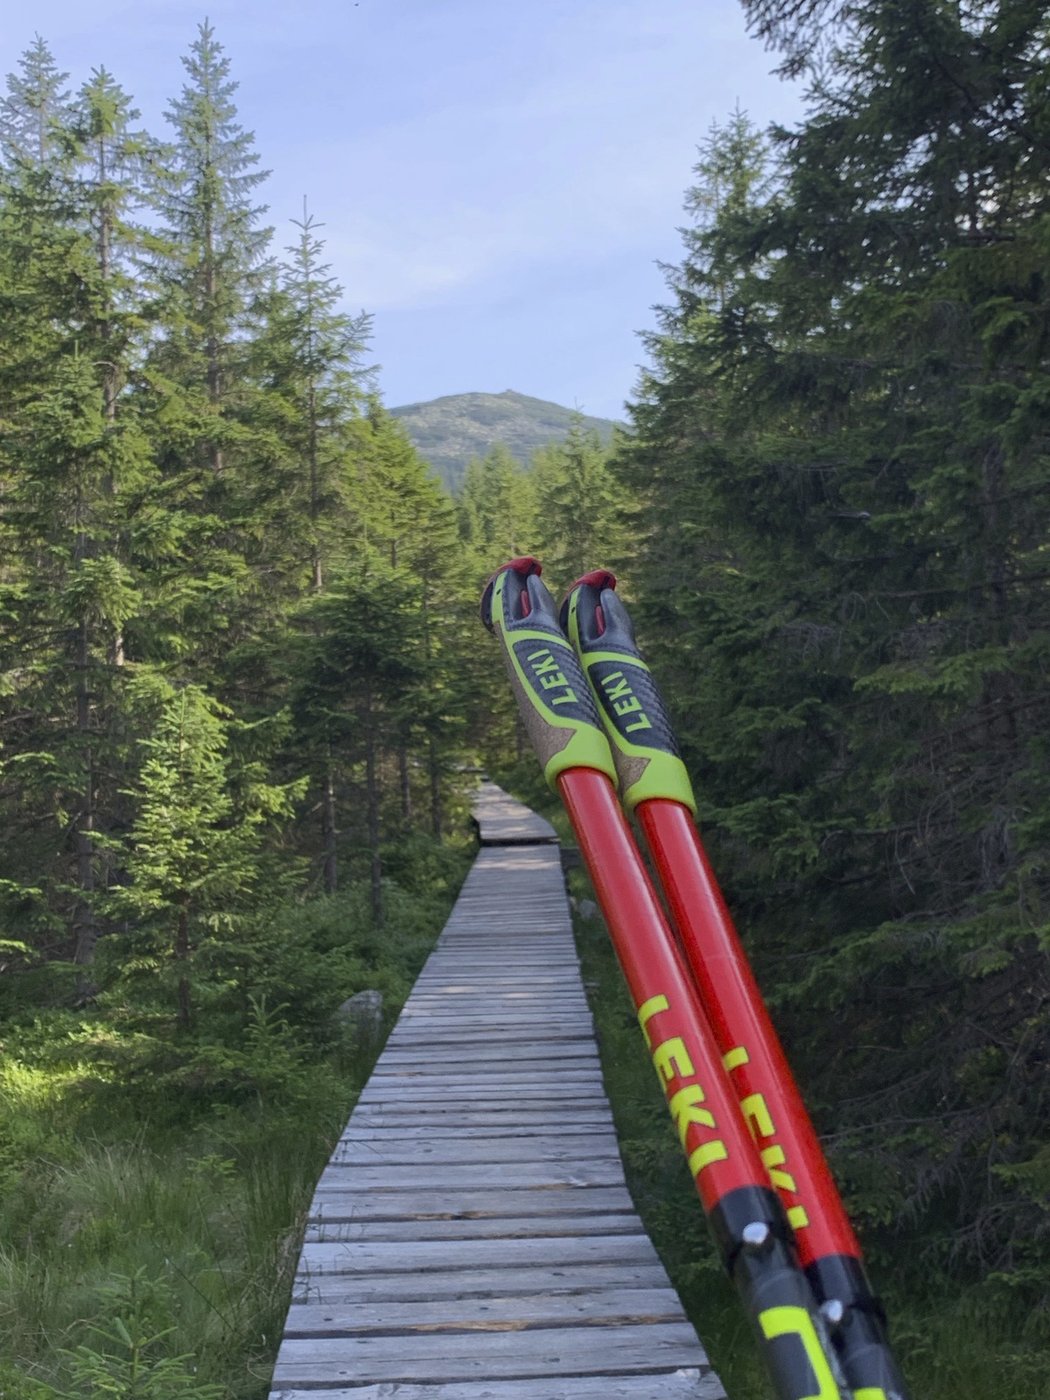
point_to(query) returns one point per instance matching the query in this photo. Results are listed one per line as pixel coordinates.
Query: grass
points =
(209, 1233)
(148, 1237)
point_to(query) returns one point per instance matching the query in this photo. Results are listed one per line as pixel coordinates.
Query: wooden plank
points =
(410, 1128)
(491, 1055)
(488, 1108)
(557, 1280)
(399, 1095)
(448, 1255)
(508, 1025)
(530, 1030)
(451, 1357)
(515, 1019)
(330, 1225)
(571, 1086)
(606, 1172)
(393, 1151)
(497, 1313)
(685, 1383)
(542, 1074)
(331, 1221)
(418, 1203)
(472, 1004)
(493, 1060)
(457, 1120)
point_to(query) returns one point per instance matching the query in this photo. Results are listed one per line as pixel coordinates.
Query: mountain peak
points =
(450, 430)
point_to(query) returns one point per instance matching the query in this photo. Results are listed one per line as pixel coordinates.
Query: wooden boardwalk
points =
(472, 1237)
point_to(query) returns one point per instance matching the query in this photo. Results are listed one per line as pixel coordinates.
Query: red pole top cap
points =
(525, 566)
(597, 578)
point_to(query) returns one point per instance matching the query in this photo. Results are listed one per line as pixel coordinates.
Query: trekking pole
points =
(656, 788)
(744, 1212)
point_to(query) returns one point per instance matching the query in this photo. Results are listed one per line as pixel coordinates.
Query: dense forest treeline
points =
(840, 468)
(241, 676)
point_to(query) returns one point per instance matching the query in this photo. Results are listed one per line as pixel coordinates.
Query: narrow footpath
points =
(472, 1237)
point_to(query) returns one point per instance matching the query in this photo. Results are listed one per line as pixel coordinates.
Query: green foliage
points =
(124, 1358)
(579, 514)
(176, 1172)
(216, 557)
(496, 508)
(840, 455)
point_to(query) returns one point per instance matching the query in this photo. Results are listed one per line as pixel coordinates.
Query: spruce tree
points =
(218, 246)
(843, 533)
(36, 109)
(317, 366)
(78, 466)
(221, 458)
(194, 854)
(361, 669)
(578, 511)
(405, 514)
(496, 510)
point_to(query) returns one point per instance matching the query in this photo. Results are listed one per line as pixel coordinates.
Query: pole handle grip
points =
(645, 750)
(555, 701)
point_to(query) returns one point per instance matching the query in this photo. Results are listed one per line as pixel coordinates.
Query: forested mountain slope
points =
(449, 431)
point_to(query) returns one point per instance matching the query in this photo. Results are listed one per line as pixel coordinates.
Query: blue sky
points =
(497, 178)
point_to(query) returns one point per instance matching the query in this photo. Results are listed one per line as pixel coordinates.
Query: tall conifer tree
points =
(845, 537)
(78, 459)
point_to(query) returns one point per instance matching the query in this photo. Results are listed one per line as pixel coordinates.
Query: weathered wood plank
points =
(417, 1203)
(568, 1279)
(410, 1128)
(549, 1075)
(497, 1313)
(394, 1151)
(529, 1029)
(491, 1056)
(608, 1172)
(407, 1093)
(328, 1225)
(403, 1096)
(468, 1254)
(687, 1383)
(544, 1352)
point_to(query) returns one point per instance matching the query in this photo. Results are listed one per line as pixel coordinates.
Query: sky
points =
(498, 180)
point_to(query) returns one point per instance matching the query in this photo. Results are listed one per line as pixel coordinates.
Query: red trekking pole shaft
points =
(743, 1210)
(656, 787)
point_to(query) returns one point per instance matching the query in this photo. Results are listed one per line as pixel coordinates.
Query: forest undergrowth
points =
(154, 1192)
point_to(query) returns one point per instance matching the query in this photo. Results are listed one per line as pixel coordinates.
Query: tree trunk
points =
(437, 811)
(328, 829)
(212, 350)
(85, 928)
(315, 487)
(406, 786)
(182, 959)
(372, 810)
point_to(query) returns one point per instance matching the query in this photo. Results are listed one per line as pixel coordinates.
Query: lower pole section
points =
(770, 1101)
(745, 1214)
